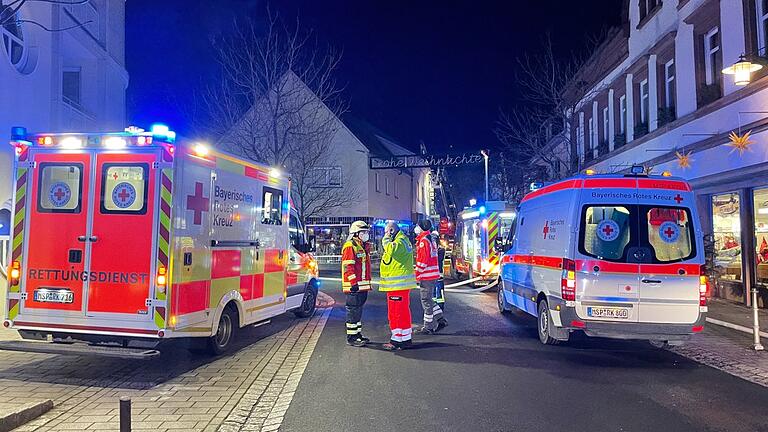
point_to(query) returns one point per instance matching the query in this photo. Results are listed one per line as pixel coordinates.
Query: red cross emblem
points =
(669, 232)
(678, 198)
(114, 176)
(123, 195)
(546, 229)
(59, 194)
(198, 204)
(608, 230)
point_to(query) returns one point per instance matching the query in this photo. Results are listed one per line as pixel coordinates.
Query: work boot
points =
(391, 346)
(425, 331)
(365, 339)
(441, 324)
(356, 342)
(406, 344)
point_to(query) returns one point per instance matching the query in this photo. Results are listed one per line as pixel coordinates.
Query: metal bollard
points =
(125, 414)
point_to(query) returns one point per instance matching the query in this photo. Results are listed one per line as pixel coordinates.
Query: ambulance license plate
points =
(54, 295)
(608, 312)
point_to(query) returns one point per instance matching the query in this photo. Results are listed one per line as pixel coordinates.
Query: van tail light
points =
(568, 280)
(162, 279)
(15, 273)
(506, 259)
(703, 287)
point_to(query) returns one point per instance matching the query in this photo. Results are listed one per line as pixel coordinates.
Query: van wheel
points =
(221, 341)
(545, 323)
(307, 308)
(659, 344)
(500, 300)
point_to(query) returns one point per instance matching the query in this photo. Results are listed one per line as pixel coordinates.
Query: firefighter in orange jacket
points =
(427, 275)
(356, 279)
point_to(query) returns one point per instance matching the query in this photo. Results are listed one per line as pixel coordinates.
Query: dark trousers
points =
(355, 302)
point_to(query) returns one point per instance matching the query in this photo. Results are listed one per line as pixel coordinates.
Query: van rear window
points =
(59, 187)
(606, 231)
(613, 232)
(124, 188)
(670, 233)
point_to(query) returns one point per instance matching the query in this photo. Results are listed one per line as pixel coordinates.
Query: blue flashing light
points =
(18, 133)
(481, 210)
(160, 129)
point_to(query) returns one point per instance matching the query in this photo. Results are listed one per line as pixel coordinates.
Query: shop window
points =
(761, 235)
(726, 227)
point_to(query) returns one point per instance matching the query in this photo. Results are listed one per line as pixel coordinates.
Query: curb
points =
(735, 327)
(24, 414)
(323, 301)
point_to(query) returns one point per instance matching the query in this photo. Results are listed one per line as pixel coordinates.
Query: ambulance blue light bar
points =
(18, 133)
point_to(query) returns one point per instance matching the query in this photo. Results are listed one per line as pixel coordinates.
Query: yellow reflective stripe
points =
(345, 262)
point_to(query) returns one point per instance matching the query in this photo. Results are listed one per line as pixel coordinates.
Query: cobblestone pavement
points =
(247, 390)
(729, 351)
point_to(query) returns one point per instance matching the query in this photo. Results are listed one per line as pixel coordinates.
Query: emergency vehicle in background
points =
(480, 229)
(129, 239)
(617, 256)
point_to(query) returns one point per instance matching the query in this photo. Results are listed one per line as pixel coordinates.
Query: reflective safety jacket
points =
(426, 258)
(397, 264)
(355, 265)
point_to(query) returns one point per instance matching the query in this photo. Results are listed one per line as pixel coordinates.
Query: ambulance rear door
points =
(608, 257)
(92, 226)
(124, 235)
(669, 278)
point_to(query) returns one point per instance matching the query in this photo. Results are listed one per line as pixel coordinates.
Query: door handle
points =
(651, 281)
(93, 238)
(83, 238)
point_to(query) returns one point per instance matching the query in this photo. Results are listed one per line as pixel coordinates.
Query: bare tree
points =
(537, 139)
(278, 103)
(10, 8)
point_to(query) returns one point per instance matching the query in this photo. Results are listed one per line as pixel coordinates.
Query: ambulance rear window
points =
(59, 187)
(272, 204)
(124, 188)
(606, 232)
(670, 233)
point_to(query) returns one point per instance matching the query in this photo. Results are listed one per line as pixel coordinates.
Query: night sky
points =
(436, 71)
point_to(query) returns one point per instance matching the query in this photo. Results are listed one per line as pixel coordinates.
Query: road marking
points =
(269, 396)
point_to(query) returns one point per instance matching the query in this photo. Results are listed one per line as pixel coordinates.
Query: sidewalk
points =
(723, 347)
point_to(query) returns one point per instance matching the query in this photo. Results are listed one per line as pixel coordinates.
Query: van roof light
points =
(536, 185)
(666, 174)
(637, 169)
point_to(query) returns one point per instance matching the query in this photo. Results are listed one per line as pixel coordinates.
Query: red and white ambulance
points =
(130, 239)
(616, 256)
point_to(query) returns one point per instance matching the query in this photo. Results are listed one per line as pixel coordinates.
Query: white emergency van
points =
(130, 239)
(616, 256)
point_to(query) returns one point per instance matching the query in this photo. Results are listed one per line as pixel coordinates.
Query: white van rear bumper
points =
(625, 330)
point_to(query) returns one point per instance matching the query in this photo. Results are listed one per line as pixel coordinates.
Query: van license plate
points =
(608, 312)
(54, 296)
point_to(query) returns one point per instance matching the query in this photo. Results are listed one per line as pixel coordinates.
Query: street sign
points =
(424, 161)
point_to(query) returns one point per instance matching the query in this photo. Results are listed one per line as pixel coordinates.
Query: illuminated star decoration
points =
(683, 159)
(740, 143)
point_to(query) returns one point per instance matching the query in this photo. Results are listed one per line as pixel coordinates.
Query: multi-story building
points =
(70, 77)
(661, 100)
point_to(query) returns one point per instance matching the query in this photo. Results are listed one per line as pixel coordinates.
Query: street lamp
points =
(742, 70)
(485, 156)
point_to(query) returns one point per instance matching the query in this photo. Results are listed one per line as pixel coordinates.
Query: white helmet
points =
(358, 226)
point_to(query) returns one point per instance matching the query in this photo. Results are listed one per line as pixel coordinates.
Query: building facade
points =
(72, 78)
(404, 196)
(662, 101)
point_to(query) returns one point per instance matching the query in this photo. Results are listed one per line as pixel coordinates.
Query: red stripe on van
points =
(563, 185)
(225, 263)
(663, 184)
(538, 261)
(611, 183)
(190, 297)
(634, 268)
(273, 261)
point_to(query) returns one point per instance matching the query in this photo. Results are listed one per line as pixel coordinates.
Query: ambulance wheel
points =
(308, 303)
(659, 344)
(500, 300)
(220, 342)
(545, 323)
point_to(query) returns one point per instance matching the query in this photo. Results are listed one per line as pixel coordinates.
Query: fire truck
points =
(480, 231)
(125, 240)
